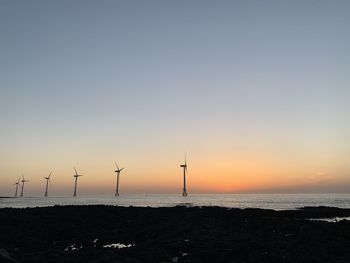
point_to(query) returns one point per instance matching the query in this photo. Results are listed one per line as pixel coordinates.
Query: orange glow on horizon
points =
(208, 172)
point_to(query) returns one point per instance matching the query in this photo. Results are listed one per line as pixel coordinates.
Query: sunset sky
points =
(257, 93)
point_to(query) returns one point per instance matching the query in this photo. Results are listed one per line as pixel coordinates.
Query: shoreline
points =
(100, 233)
(276, 202)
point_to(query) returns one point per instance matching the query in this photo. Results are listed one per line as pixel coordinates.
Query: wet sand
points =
(178, 234)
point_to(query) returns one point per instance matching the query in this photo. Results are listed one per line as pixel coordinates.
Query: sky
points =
(256, 93)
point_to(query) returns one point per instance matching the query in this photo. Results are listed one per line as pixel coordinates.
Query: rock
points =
(206, 234)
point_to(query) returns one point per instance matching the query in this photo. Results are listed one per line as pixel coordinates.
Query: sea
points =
(266, 201)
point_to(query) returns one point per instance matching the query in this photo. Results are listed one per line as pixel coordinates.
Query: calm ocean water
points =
(271, 201)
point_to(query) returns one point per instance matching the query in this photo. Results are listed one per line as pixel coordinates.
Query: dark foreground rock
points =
(179, 234)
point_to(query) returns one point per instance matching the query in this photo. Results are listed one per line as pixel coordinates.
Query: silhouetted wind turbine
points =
(184, 166)
(117, 172)
(76, 180)
(17, 184)
(23, 181)
(47, 182)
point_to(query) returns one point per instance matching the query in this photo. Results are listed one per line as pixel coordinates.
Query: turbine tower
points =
(23, 181)
(76, 180)
(118, 173)
(17, 184)
(47, 182)
(184, 166)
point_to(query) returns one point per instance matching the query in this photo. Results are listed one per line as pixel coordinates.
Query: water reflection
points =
(331, 219)
(118, 245)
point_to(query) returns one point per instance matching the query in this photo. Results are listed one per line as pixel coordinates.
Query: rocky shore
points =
(178, 234)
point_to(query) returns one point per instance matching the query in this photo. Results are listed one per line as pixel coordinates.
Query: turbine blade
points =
(116, 165)
(50, 174)
(76, 173)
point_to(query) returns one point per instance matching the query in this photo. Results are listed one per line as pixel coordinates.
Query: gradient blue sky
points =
(256, 92)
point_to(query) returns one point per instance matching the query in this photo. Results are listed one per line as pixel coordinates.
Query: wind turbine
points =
(17, 184)
(47, 182)
(184, 166)
(117, 172)
(76, 180)
(23, 181)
